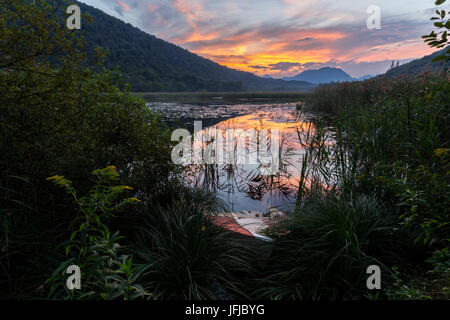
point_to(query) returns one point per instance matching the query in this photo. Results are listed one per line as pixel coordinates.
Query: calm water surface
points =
(242, 186)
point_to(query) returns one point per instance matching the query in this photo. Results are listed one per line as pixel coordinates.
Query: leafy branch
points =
(439, 38)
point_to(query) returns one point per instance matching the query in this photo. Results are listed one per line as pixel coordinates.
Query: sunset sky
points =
(284, 37)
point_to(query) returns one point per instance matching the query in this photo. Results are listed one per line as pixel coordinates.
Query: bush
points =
(58, 116)
(395, 146)
(190, 257)
(107, 268)
(330, 243)
(390, 146)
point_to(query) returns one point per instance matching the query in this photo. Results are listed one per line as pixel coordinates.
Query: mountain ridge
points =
(417, 66)
(325, 75)
(322, 75)
(152, 64)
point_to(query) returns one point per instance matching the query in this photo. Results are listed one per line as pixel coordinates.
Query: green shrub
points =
(395, 147)
(59, 116)
(329, 244)
(107, 268)
(191, 258)
(388, 145)
(401, 290)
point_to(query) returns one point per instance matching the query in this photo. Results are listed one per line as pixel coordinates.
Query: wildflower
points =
(109, 173)
(135, 199)
(203, 228)
(56, 178)
(60, 181)
(127, 187)
(380, 179)
(441, 152)
(113, 170)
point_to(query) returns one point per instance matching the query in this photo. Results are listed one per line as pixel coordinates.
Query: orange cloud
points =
(260, 36)
(193, 12)
(242, 51)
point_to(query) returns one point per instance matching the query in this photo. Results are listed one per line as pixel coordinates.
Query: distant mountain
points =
(419, 65)
(151, 64)
(324, 75)
(267, 76)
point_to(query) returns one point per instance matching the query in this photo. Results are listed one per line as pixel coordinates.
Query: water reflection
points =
(242, 186)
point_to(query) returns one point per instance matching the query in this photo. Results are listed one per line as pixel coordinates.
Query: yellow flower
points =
(107, 173)
(127, 188)
(135, 199)
(203, 228)
(441, 152)
(60, 181)
(56, 178)
(380, 179)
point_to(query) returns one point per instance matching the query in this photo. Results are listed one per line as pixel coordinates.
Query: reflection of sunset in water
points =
(242, 186)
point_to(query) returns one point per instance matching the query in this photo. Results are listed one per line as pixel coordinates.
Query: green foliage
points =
(191, 258)
(439, 39)
(387, 140)
(399, 290)
(424, 201)
(441, 262)
(374, 181)
(61, 116)
(326, 248)
(108, 271)
(58, 116)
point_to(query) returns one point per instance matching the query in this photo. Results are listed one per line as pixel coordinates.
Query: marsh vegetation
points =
(86, 179)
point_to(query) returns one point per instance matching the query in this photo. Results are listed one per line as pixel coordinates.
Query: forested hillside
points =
(151, 64)
(418, 66)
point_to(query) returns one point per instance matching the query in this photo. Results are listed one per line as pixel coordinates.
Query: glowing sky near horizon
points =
(284, 37)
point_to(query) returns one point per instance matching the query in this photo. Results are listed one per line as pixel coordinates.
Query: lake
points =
(243, 185)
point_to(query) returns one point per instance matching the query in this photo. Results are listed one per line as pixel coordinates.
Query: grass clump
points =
(373, 190)
(191, 258)
(330, 243)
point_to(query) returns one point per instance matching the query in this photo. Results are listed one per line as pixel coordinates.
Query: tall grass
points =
(169, 251)
(328, 248)
(190, 257)
(373, 188)
(395, 148)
